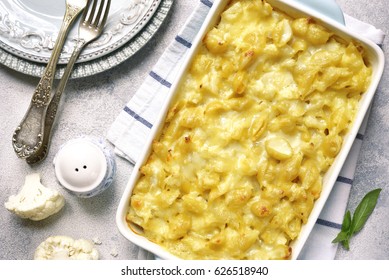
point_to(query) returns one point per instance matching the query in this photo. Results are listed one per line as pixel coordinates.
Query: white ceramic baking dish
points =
(376, 59)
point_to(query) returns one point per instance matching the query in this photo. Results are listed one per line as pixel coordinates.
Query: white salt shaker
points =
(85, 166)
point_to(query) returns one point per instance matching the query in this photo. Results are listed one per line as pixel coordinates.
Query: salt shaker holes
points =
(85, 166)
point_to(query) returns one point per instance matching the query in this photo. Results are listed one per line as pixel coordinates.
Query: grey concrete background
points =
(92, 104)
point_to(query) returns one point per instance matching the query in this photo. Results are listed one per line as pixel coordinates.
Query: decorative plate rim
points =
(97, 65)
(31, 43)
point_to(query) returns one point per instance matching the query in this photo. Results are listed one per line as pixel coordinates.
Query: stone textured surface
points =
(93, 103)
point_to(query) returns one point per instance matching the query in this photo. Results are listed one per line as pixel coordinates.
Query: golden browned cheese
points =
(257, 122)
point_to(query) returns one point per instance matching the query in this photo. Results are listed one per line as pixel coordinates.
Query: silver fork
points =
(28, 135)
(91, 27)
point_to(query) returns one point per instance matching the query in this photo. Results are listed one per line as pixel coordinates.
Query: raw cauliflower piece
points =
(66, 248)
(35, 201)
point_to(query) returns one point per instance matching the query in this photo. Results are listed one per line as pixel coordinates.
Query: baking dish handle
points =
(328, 8)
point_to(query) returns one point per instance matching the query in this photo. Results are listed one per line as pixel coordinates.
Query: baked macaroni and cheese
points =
(257, 122)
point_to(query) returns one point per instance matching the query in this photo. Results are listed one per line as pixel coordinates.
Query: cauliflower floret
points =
(35, 201)
(66, 248)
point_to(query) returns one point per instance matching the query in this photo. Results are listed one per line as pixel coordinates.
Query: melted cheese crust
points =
(258, 120)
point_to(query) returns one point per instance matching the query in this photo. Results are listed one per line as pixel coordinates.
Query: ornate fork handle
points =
(27, 138)
(52, 108)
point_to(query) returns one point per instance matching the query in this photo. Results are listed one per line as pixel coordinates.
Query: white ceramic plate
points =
(294, 8)
(29, 28)
(100, 62)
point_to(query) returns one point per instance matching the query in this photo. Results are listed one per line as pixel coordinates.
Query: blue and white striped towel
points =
(132, 127)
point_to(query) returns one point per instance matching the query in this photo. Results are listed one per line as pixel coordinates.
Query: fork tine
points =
(91, 11)
(106, 12)
(103, 7)
(83, 17)
(97, 17)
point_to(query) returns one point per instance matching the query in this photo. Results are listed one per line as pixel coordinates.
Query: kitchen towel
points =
(132, 127)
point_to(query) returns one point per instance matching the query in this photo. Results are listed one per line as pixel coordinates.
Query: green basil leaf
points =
(342, 236)
(363, 211)
(346, 221)
(346, 244)
(344, 233)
